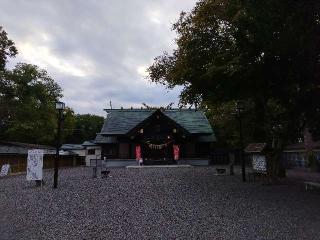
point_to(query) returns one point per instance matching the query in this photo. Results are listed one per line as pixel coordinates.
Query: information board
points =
(35, 164)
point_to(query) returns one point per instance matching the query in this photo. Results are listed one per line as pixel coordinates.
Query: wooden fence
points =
(18, 163)
(222, 157)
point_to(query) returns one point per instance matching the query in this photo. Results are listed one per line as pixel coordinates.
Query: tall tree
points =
(32, 114)
(7, 49)
(86, 127)
(262, 52)
(27, 99)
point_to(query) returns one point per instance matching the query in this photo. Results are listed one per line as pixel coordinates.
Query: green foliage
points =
(224, 118)
(7, 49)
(31, 114)
(86, 126)
(27, 99)
(69, 124)
(27, 104)
(265, 53)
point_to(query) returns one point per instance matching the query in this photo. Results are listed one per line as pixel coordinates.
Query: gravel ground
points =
(179, 203)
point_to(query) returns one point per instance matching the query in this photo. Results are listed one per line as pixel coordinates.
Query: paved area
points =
(156, 203)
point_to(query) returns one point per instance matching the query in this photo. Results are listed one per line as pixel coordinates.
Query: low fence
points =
(222, 157)
(18, 163)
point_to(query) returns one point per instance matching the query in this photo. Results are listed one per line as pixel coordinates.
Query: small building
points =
(73, 149)
(84, 152)
(296, 155)
(157, 135)
(92, 151)
(256, 152)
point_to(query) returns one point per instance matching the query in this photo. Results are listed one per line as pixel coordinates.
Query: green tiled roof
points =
(191, 120)
(105, 139)
(122, 121)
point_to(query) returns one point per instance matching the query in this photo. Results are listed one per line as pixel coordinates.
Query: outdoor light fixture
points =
(141, 130)
(60, 106)
(174, 130)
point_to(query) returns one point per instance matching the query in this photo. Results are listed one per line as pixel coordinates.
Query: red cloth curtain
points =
(176, 152)
(138, 153)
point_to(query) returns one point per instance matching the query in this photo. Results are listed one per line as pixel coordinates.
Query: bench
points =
(311, 185)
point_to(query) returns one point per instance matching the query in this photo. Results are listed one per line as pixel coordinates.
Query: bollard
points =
(94, 172)
(98, 172)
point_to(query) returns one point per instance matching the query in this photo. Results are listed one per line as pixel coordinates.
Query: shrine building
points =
(155, 136)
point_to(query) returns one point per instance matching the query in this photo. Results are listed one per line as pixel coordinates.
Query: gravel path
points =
(180, 203)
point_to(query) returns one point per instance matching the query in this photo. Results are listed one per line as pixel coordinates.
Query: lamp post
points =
(239, 109)
(60, 106)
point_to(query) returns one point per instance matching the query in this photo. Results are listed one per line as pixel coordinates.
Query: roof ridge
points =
(31, 145)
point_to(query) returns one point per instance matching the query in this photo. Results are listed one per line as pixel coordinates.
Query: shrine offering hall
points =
(156, 136)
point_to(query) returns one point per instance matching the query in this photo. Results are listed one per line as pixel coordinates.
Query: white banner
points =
(35, 164)
(4, 170)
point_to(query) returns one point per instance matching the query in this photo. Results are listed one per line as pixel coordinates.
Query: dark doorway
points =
(158, 153)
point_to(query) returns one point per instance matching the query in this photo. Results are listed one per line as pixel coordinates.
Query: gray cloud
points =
(96, 50)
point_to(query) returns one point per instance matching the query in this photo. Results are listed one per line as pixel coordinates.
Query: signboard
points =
(35, 164)
(259, 163)
(4, 170)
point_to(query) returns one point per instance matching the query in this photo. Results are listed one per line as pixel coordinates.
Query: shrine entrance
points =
(157, 136)
(158, 152)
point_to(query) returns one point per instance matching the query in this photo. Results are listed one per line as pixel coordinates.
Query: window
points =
(91, 151)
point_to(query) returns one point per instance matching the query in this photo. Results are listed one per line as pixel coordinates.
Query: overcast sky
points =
(96, 50)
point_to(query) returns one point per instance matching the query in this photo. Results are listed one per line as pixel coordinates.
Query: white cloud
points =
(142, 70)
(43, 57)
(96, 50)
(155, 17)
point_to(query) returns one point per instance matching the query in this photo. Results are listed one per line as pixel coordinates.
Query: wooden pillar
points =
(130, 150)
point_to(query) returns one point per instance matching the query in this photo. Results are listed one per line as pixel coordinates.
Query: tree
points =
(223, 117)
(31, 114)
(85, 128)
(7, 49)
(27, 99)
(265, 53)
